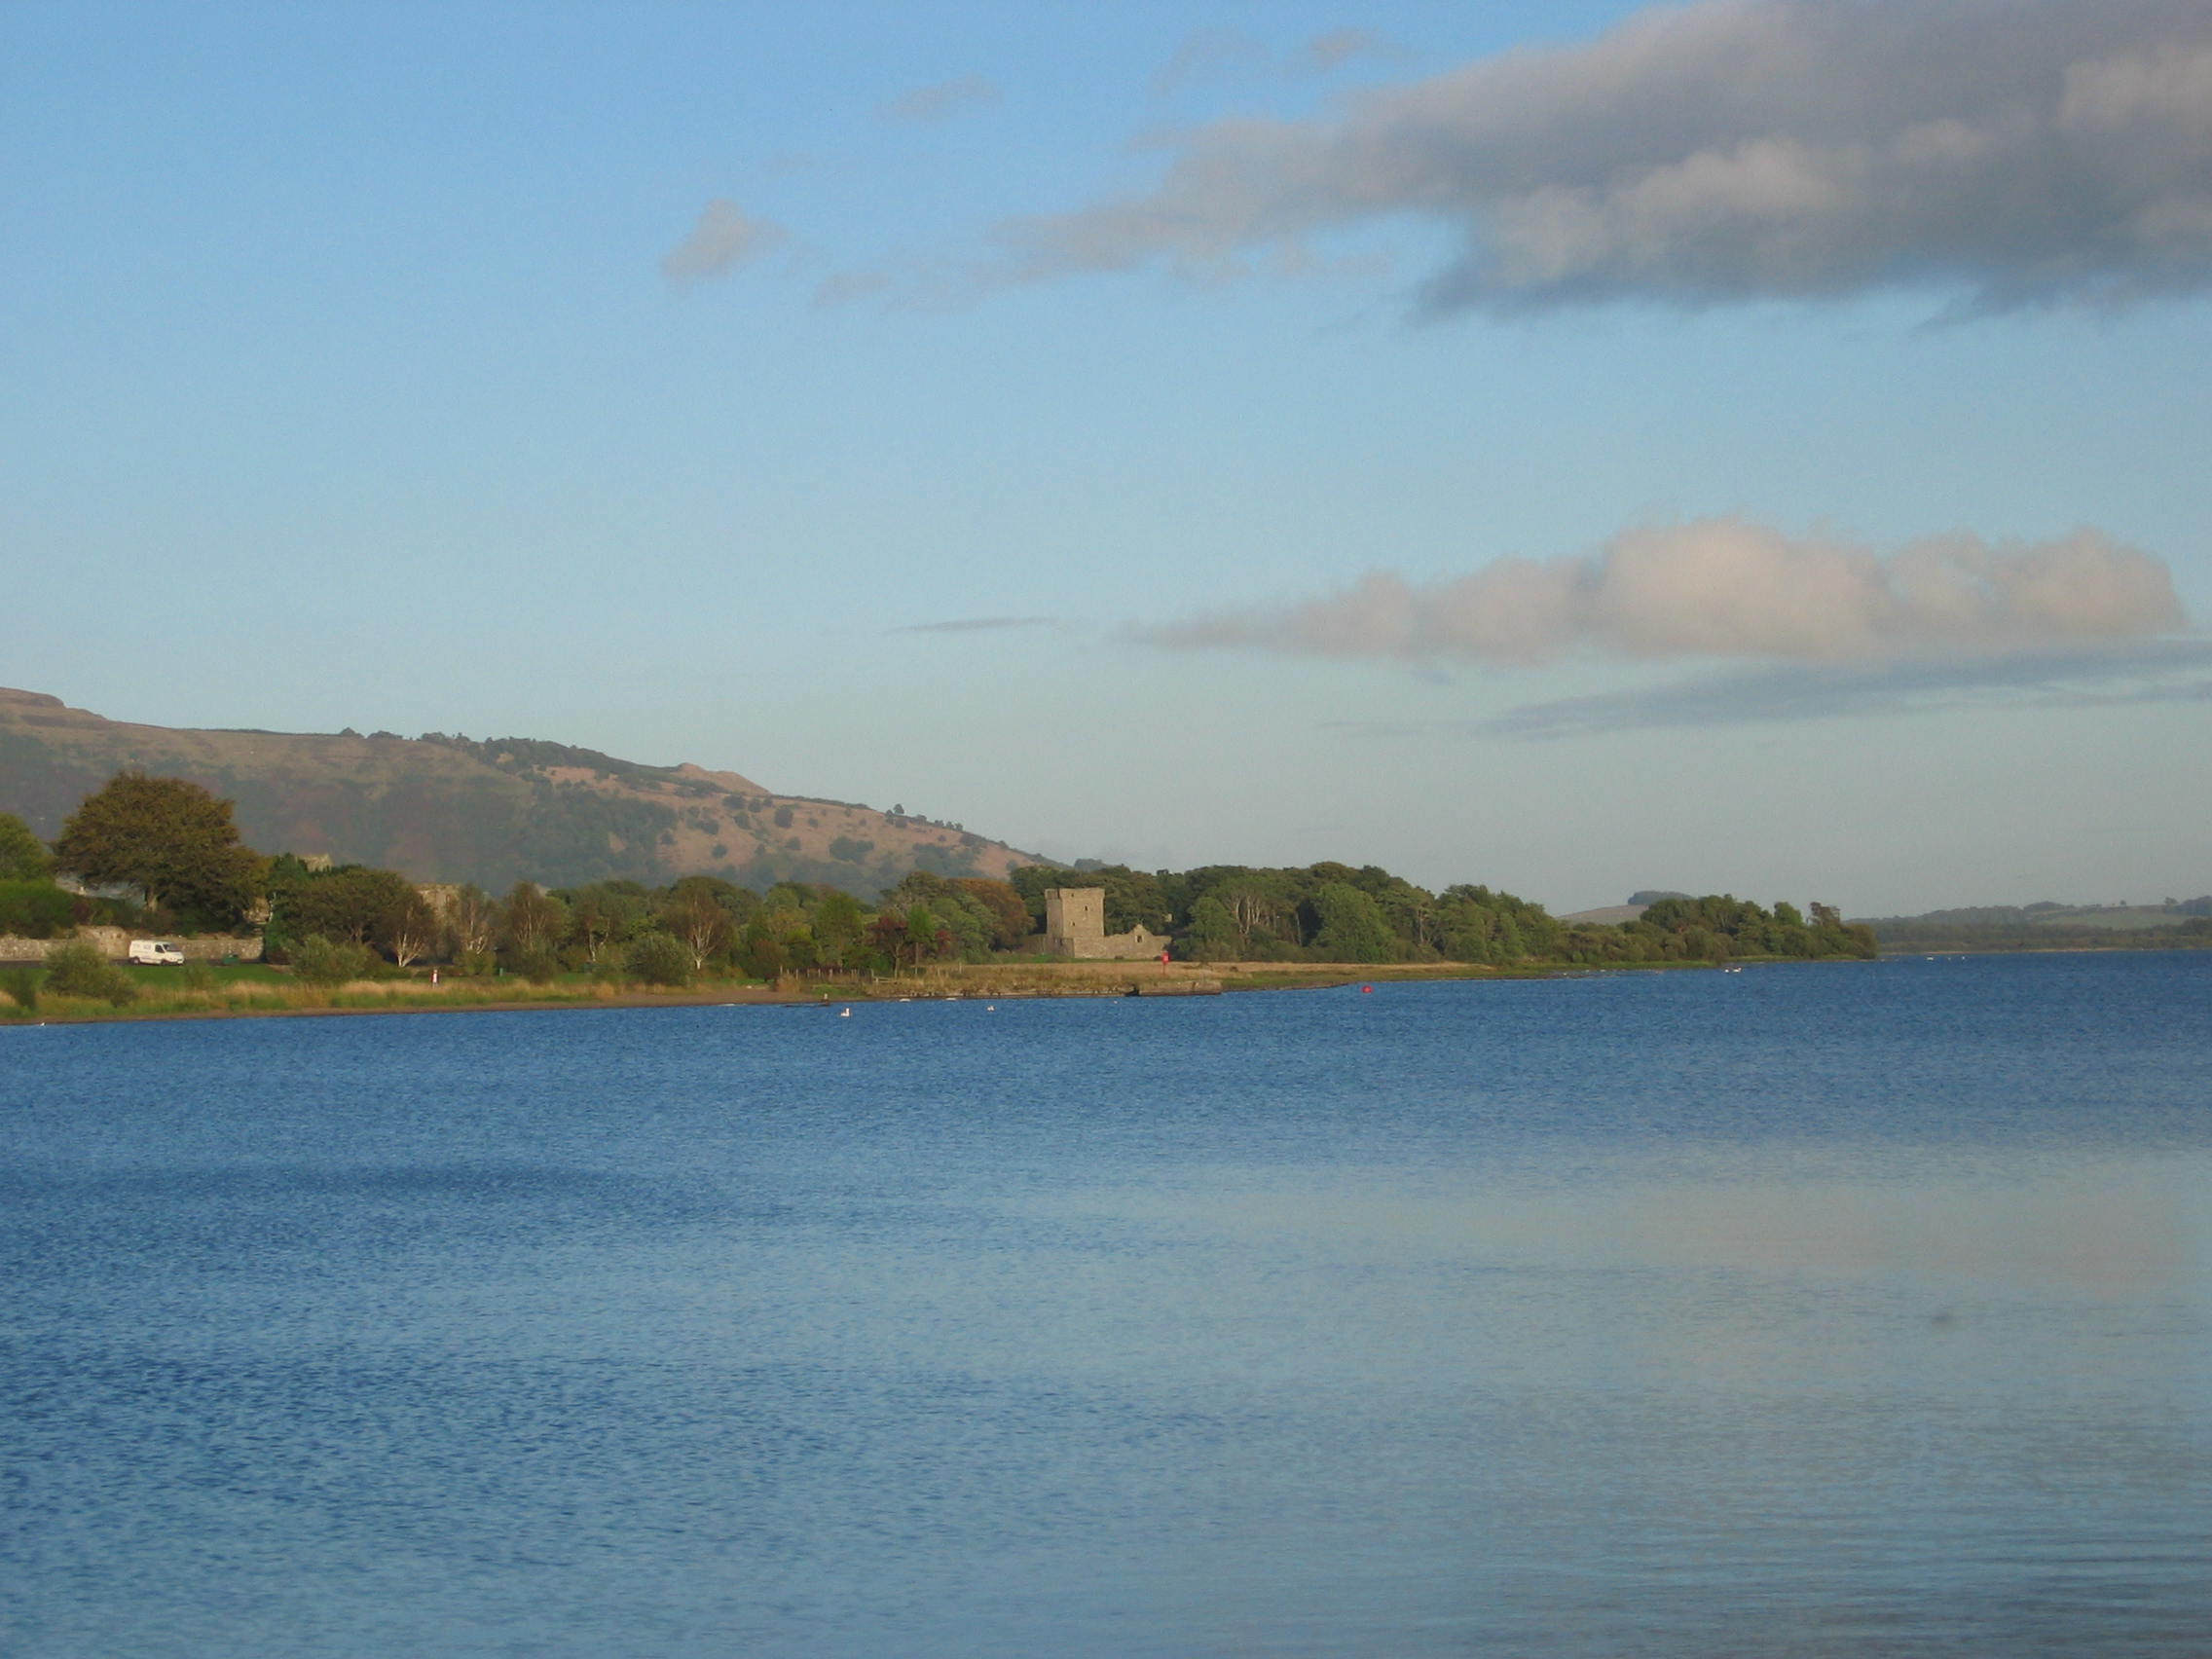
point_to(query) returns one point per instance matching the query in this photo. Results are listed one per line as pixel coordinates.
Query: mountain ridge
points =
(444, 807)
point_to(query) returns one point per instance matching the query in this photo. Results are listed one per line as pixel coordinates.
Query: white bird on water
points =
(844, 1014)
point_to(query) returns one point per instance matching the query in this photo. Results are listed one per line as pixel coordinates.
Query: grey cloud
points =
(1207, 52)
(2170, 671)
(946, 97)
(724, 238)
(977, 625)
(1338, 47)
(1202, 53)
(847, 287)
(1727, 587)
(2033, 151)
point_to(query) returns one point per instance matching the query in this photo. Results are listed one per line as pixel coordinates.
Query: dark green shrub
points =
(22, 985)
(197, 976)
(321, 961)
(536, 965)
(656, 959)
(36, 909)
(77, 970)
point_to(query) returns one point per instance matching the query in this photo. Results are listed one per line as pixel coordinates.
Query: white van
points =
(155, 954)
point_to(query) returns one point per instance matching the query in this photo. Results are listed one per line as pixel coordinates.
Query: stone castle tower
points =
(1075, 926)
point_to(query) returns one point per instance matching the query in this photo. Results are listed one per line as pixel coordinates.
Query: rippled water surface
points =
(1827, 1309)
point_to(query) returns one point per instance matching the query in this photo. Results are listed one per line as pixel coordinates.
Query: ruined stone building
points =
(1075, 926)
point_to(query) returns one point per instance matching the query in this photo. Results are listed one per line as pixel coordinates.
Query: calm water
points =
(1829, 1309)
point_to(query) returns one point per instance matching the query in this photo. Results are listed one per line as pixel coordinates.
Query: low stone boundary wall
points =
(115, 943)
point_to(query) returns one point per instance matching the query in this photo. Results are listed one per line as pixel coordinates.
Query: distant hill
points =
(2050, 926)
(494, 812)
(1612, 915)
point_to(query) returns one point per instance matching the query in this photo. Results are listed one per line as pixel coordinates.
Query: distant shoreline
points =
(965, 982)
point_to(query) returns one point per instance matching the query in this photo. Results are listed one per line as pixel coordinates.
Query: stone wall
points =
(115, 943)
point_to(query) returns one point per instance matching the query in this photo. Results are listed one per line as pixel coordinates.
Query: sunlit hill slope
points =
(493, 812)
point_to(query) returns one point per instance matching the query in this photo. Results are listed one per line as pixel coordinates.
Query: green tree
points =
(927, 938)
(354, 903)
(1352, 927)
(408, 927)
(605, 914)
(1212, 933)
(1002, 903)
(535, 924)
(837, 922)
(741, 905)
(761, 953)
(22, 855)
(169, 837)
(473, 924)
(36, 909)
(698, 920)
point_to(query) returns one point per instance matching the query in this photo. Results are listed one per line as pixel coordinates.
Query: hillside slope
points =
(448, 809)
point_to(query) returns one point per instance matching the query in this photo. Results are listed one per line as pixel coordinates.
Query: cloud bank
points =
(1727, 587)
(2158, 670)
(723, 239)
(977, 625)
(2021, 151)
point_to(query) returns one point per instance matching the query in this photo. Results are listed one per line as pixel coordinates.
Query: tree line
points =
(175, 845)
(1333, 912)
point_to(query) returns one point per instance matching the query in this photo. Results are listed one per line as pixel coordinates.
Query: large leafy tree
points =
(1353, 928)
(536, 921)
(473, 921)
(837, 922)
(22, 855)
(1010, 916)
(697, 919)
(350, 904)
(1212, 933)
(167, 836)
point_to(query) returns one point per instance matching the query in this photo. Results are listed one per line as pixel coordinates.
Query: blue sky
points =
(1779, 429)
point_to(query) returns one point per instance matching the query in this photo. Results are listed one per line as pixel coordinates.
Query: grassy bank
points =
(242, 990)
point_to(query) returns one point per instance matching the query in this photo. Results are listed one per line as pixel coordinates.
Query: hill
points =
(2051, 926)
(493, 812)
(1612, 915)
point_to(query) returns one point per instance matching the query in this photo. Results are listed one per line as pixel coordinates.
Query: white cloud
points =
(1729, 149)
(1729, 588)
(724, 238)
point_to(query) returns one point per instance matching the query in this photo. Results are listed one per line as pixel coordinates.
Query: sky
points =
(1575, 446)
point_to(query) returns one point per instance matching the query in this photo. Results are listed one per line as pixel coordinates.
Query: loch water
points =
(1815, 1309)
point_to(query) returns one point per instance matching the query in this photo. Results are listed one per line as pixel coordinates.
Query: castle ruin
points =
(1075, 926)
